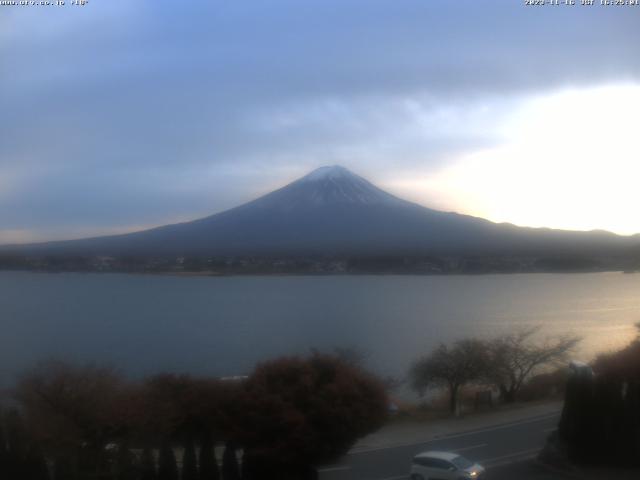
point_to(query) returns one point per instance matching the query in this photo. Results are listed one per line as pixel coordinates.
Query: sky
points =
(121, 115)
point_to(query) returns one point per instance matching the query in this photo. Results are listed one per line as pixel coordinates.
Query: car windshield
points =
(462, 462)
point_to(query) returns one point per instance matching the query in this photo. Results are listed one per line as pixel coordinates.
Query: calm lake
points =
(223, 326)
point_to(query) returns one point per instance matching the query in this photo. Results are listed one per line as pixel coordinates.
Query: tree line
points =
(505, 363)
(69, 422)
(600, 422)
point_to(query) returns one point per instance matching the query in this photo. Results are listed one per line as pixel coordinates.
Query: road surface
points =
(500, 448)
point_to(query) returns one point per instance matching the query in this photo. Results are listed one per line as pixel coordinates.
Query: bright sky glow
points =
(572, 161)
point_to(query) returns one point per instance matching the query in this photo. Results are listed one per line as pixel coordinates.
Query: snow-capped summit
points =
(330, 185)
(330, 172)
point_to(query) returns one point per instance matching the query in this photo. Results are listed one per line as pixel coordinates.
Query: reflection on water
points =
(224, 325)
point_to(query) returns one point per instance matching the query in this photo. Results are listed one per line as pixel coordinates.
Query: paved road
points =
(526, 470)
(500, 448)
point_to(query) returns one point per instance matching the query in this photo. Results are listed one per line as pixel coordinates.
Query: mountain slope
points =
(332, 211)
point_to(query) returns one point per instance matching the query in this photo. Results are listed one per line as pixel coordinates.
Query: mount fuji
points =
(332, 211)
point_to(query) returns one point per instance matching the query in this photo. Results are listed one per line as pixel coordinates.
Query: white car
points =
(444, 466)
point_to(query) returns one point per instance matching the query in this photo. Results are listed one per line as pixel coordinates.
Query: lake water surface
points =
(224, 325)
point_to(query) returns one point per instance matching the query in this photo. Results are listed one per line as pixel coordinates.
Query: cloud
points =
(143, 112)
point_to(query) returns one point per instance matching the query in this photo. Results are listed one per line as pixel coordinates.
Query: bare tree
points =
(301, 412)
(358, 358)
(464, 362)
(73, 410)
(178, 407)
(517, 356)
(351, 355)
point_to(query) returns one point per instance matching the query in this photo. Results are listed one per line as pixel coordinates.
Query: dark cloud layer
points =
(121, 114)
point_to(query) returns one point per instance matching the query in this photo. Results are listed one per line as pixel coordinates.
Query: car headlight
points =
(473, 474)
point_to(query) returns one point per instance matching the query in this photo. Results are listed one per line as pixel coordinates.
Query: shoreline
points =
(218, 274)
